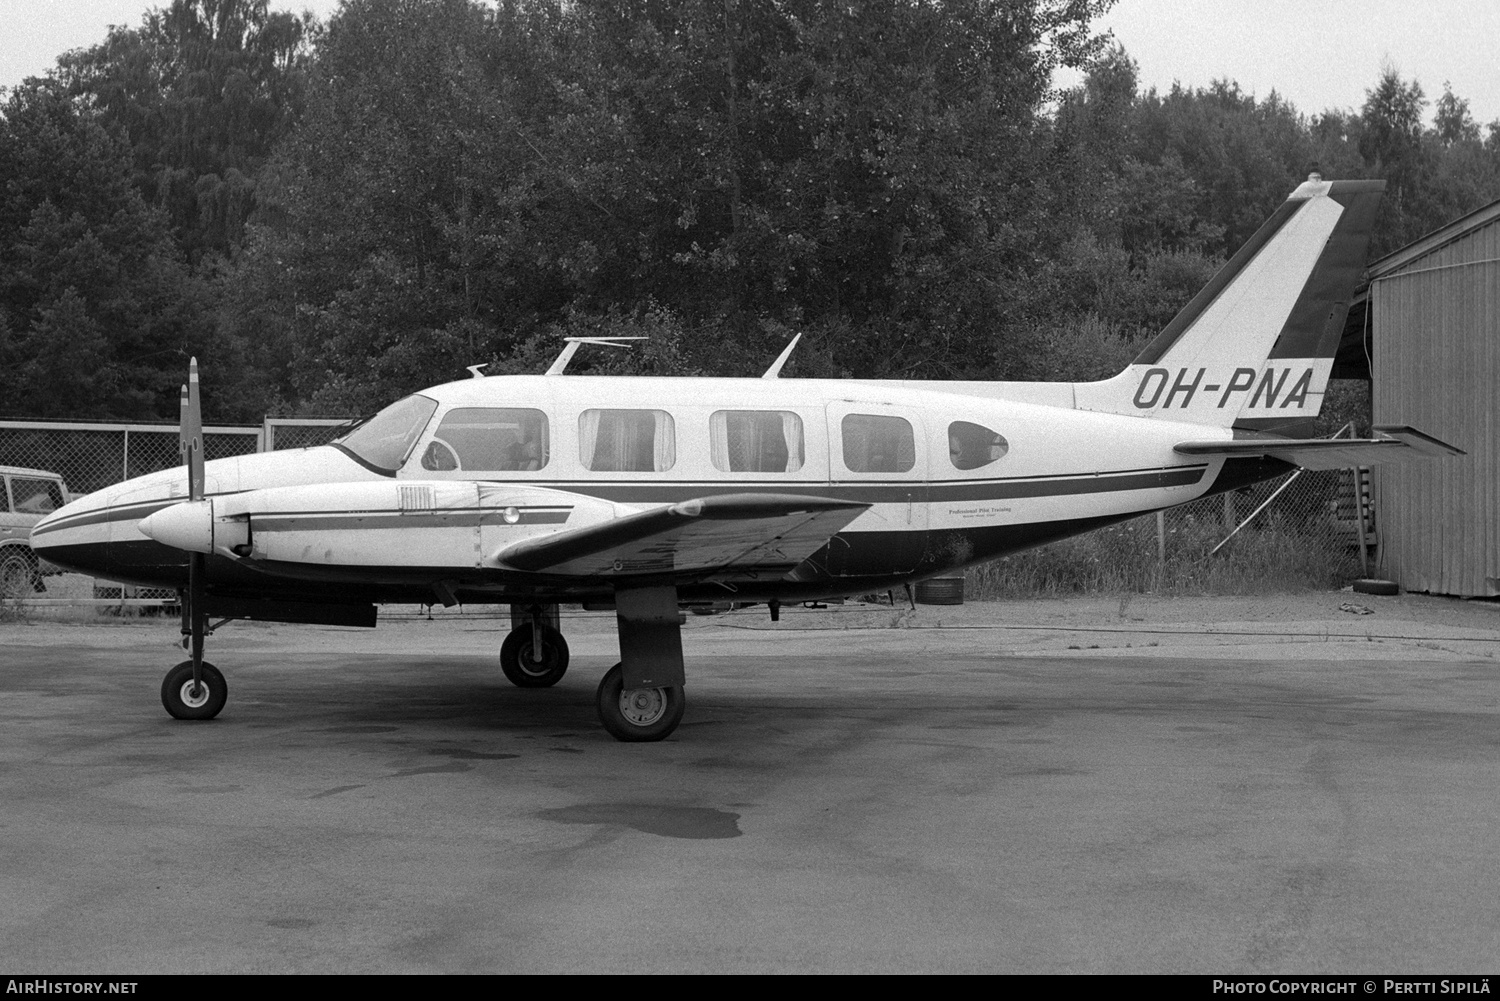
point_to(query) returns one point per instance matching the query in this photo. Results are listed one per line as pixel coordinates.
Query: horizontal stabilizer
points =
(747, 534)
(1397, 444)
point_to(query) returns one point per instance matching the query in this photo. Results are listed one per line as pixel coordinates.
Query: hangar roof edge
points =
(1435, 240)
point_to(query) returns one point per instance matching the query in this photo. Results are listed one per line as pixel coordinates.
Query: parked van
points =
(28, 495)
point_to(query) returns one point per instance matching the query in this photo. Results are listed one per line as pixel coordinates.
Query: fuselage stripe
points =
(334, 521)
(888, 491)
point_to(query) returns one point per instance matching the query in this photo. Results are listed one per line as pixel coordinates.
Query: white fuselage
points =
(950, 478)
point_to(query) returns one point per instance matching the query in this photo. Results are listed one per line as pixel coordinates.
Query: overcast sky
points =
(1317, 55)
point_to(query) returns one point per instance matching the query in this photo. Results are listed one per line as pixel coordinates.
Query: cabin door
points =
(879, 454)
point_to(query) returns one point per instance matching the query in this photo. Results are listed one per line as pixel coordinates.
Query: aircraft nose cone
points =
(188, 526)
(75, 536)
(60, 528)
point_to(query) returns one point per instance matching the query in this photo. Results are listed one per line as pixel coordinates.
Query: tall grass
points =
(1124, 559)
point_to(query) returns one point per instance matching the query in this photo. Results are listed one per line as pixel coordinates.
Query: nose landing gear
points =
(194, 689)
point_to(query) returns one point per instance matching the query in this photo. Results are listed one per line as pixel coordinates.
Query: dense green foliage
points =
(201, 92)
(94, 298)
(335, 215)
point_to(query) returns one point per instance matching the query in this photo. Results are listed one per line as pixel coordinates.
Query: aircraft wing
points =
(1397, 444)
(746, 534)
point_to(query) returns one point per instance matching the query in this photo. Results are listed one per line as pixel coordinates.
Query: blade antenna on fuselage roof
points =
(572, 349)
(774, 372)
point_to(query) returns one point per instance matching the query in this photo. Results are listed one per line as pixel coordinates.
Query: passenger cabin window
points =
(973, 445)
(878, 444)
(626, 441)
(489, 439)
(755, 441)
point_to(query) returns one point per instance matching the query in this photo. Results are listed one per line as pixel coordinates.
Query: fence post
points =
(125, 458)
(1359, 521)
(1161, 538)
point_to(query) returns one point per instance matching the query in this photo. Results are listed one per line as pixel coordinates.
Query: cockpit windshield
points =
(384, 441)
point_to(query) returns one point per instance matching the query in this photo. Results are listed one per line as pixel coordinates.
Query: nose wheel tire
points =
(185, 702)
(517, 658)
(638, 714)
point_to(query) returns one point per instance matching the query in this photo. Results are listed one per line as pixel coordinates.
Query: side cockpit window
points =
(755, 441)
(626, 441)
(489, 439)
(971, 446)
(878, 444)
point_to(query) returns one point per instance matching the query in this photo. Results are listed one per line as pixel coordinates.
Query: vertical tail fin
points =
(1255, 347)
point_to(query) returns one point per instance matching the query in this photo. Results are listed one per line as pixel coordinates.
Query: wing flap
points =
(1397, 444)
(742, 534)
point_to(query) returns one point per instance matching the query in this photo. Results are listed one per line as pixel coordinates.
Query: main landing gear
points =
(637, 714)
(640, 698)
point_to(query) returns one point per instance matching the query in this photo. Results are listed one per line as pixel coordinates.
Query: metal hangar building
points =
(1429, 337)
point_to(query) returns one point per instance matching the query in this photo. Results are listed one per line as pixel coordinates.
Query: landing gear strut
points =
(641, 697)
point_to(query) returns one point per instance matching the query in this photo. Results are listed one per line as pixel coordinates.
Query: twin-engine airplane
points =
(651, 494)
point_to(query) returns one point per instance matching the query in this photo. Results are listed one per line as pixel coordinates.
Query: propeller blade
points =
(192, 433)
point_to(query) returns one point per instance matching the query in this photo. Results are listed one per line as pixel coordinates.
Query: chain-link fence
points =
(1301, 530)
(279, 433)
(91, 456)
(1323, 516)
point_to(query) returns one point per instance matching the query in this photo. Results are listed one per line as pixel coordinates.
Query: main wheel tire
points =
(183, 703)
(524, 672)
(638, 714)
(17, 574)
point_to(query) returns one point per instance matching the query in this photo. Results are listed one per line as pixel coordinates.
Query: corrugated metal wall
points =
(1437, 367)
